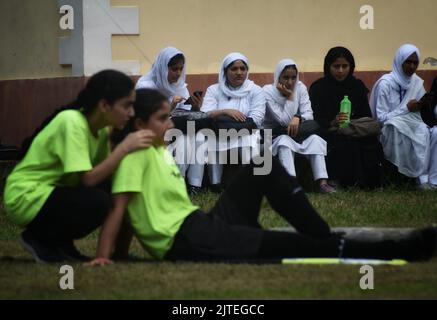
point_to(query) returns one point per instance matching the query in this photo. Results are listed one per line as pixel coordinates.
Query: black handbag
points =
(201, 120)
(226, 122)
(306, 129)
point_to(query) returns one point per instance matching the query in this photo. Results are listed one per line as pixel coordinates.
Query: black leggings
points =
(354, 161)
(231, 230)
(276, 245)
(70, 213)
(240, 203)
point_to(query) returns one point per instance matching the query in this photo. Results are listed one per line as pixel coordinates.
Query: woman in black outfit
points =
(351, 161)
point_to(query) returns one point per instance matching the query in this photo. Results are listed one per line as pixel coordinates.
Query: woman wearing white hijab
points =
(239, 98)
(396, 101)
(168, 75)
(288, 106)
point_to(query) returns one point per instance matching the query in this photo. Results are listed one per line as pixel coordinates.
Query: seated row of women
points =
(310, 122)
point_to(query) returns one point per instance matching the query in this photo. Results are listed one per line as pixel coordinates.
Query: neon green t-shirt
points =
(160, 202)
(58, 153)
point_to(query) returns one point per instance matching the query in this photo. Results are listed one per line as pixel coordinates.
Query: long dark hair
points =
(110, 85)
(335, 53)
(176, 59)
(147, 102)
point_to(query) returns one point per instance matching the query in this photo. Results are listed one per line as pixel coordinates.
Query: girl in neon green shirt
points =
(52, 192)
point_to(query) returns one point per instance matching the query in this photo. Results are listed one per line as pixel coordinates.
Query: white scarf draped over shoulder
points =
(405, 138)
(412, 86)
(289, 108)
(157, 77)
(242, 91)
(248, 99)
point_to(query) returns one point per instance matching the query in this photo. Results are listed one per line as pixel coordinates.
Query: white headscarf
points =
(159, 75)
(245, 88)
(272, 90)
(398, 76)
(401, 56)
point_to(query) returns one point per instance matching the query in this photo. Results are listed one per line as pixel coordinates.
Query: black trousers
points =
(354, 161)
(230, 231)
(70, 213)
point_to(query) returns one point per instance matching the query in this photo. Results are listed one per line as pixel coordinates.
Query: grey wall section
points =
(29, 37)
(71, 50)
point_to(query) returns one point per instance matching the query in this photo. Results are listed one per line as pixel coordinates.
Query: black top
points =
(428, 115)
(327, 93)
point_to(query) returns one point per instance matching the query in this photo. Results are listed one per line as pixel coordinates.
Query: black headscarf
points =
(427, 113)
(335, 53)
(327, 93)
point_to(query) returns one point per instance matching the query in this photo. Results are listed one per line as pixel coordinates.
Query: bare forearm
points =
(217, 113)
(104, 169)
(124, 239)
(110, 229)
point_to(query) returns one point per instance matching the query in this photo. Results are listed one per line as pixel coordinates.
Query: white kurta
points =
(431, 170)
(407, 141)
(279, 112)
(253, 106)
(405, 137)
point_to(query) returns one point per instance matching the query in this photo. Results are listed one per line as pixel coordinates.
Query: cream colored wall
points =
(206, 30)
(268, 30)
(29, 39)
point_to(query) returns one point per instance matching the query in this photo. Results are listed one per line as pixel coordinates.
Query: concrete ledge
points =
(368, 234)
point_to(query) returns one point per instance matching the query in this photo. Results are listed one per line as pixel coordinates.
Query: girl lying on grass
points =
(149, 186)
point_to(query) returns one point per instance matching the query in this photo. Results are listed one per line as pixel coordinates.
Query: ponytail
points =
(110, 85)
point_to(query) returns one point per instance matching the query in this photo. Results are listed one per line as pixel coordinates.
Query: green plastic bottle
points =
(346, 107)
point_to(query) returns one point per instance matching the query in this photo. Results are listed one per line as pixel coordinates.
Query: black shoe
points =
(70, 252)
(42, 252)
(194, 191)
(421, 243)
(429, 236)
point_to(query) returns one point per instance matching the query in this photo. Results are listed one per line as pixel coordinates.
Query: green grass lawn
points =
(21, 278)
